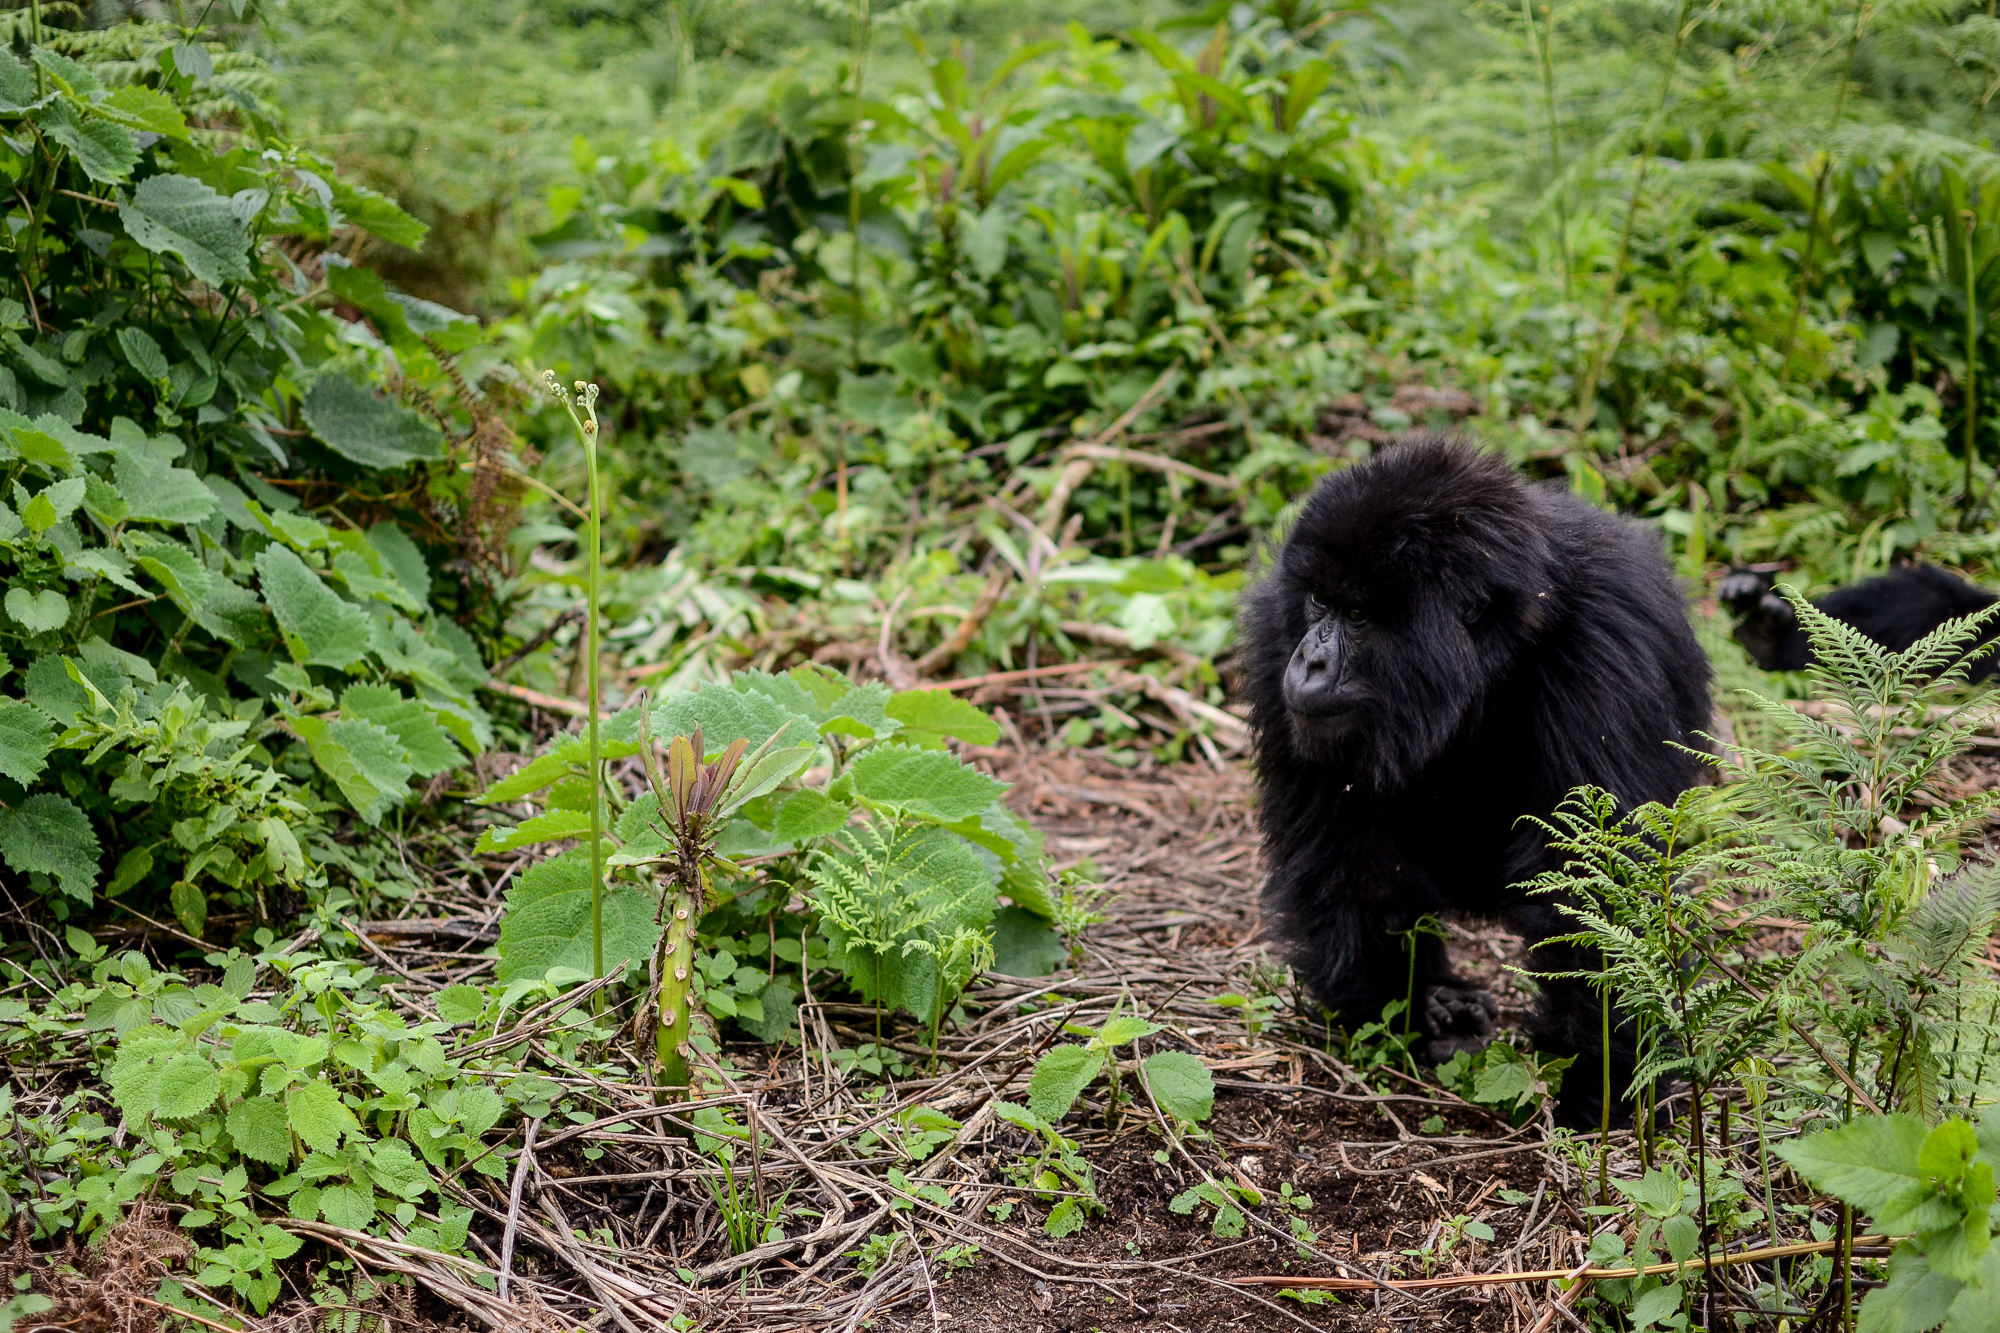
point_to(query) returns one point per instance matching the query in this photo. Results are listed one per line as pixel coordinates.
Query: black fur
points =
(1512, 643)
(1894, 609)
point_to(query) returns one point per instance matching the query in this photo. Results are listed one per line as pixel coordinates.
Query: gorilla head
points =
(1408, 591)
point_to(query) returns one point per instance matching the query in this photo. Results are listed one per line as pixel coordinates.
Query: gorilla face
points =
(1393, 612)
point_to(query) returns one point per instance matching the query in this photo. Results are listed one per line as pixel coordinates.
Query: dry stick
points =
(1078, 468)
(961, 637)
(1587, 1273)
(522, 1165)
(1031, 673)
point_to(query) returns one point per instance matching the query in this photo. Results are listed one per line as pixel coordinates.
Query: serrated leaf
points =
(395, 1170)
(17, 84)
(366, 761)
(37, 612)
(190, 906)
(1065, 1219)
(188, 1086)
(319, 628)
(378, 215)
(71, 76)
(26, 737)
(47, 833)
(943, 713)
(1059, 1079)
(106, 151)
(808, 814)
(109, 564)
(726, 715)
(233, 614)
(179, 215)
(143, 353)
(365, 429)
(765, 775)
(157, 492)
(429, 749)
(548, 921)
(1182, 1085)
(1120, 1031)
(553, 826)
(929, 784)
(403, 558)
(531, 777)
(178, 571)
(1870, 1162)
(257, 1124)
(1656, 1305)
(142, 108)
(350, 1206)
(318, 1116)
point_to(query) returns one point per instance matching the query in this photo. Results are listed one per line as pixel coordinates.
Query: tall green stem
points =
(863, 32)
(1819, 197)
(1971, 357)
(1606, 343)
(1544, 55)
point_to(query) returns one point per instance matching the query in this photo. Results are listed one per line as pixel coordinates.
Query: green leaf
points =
(1119, 1031)
(319, 1117)
(190, 906)
(179, 215)
(1682, 1235)
(143, 353)
(429, 747)
(233, 614)
(26, 737)
(161, 493)
(1060, 1077)
(531, 777)
(47, 833)
(17, 84)
(943, 713)
(188, 1086)
(1976, 1308)
(1656, 1305)
(108, 564)
(257, 1124)
(350, 1206)
(395, 1170)
(366, 761)
(1024, 945)
(378, 215)
(177, 570)
(1065, 1219)
(808, 814)
(548, 921)
(319, 628)
(365, 429)
(105, 151)
(1870, 1162)
(57, 501)
(459, 1005)
(1182, 1085)
(71, 76)
(726, 715)
(37, 612)
(403, 559)
(552, 826)
(929, 784)
(142, 108)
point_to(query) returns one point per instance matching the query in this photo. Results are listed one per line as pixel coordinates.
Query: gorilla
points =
(1438, 651)
(1894, 609)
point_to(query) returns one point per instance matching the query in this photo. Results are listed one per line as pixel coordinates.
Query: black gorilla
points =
(1895, 609)
(1437, 651)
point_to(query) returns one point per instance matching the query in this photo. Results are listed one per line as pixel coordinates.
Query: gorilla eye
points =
(1354, 614)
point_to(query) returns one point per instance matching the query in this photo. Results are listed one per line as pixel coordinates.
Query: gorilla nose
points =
(1312, 677)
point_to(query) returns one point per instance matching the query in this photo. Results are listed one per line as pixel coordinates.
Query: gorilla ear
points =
(1476, 606)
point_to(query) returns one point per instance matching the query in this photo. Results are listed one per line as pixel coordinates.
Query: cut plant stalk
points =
(582, 409)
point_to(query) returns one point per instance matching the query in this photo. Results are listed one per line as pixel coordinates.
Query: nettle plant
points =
(184, 653)
(773, 785)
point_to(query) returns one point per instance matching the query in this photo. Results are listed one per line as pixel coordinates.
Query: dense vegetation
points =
(933, 342)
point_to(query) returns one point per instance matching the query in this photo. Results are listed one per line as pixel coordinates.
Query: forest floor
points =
(1174, 847)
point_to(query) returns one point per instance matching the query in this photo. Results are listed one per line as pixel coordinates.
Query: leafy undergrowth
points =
(880, 1188)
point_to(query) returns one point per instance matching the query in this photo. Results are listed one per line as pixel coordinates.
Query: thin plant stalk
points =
(582, 411)
(1544, 54)
(1819, 197)
(863, 33)
(1587, 400)
(1971, 357)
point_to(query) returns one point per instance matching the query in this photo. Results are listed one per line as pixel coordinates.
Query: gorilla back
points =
(1437, 652)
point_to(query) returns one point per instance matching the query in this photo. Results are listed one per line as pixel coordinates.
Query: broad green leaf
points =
(142, 108)
(109, 564)
(72, 76)
(365, 760)
(1059, 1079)
(143, 353)
(233, 614)
(257, 1124)
(403, 559)
(833, 703)
(459, 1005)
(190, 906)
(177, 570)
(927, 783)
(942, 713)
(548, 921)
(1682, 1236)
(17, 84)
(1024, 945)
(762, 777)
(395, 1170)
(808, 814)
(319, 1117)
(365, 429)
(1065, 1219)
(1976, 1308)
(34, 445)
(726, 715)
(1120, 1031)
(1870, 1162)
(188, 1086)
(57, 501)
(26, 737)
(47, 833)
(553, 826)
(37, 612)
(319, 628)
(106, 151)
(1656, 1305)
(430, 750)
(531, 777)
(179, 215)
(378, 215)
(158, 492)
(1182, 1085)
(350, 1206)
